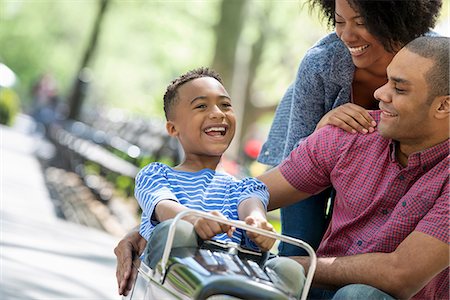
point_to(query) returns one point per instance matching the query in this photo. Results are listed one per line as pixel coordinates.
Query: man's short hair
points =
(171, 94)
(438, 50)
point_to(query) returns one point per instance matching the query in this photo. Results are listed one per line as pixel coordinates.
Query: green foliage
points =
(143, 45)
(144, 160)
(44, 36)
(125, 184)
(92, 168)
(9, 106)
(146, 43)
(166, 160)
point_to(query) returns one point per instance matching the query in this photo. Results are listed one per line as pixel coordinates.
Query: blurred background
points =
(81, 87)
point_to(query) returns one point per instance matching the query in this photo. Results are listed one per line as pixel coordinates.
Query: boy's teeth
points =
(215, 129)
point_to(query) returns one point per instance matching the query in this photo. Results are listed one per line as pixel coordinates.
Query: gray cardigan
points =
(323, 82)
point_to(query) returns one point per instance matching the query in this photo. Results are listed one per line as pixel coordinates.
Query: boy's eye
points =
(226, 104)
(201, 106)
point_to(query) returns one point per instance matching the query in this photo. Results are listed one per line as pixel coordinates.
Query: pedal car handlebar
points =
(242, 225)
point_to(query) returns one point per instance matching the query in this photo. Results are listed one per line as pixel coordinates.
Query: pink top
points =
(378, 202)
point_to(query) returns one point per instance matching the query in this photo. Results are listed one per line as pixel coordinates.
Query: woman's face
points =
(366, 50)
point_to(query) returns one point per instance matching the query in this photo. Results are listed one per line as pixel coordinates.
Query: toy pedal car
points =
(216, 270)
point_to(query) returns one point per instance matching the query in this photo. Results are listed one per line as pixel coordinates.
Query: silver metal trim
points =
(242, 225)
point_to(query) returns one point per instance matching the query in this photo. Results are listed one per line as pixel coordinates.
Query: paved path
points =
(41, 256)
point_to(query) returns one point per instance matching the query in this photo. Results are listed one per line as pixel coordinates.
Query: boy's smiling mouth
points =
(216, 130)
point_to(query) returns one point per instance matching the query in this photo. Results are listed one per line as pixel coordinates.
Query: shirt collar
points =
(427, 158)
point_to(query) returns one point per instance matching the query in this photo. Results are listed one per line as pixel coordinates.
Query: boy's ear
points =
(443, 109)
(171, 129)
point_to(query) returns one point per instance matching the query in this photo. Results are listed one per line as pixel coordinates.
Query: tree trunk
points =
(227, 33)
(253, 113)
(247, 58)
(78, 92)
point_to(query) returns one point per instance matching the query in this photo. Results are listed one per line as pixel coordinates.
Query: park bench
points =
(83, 196)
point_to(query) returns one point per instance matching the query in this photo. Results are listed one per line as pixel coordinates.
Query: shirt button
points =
(401, 177)
(384, 211)
(403, 203)
(359, 243)
(266, 153)
(424, 168)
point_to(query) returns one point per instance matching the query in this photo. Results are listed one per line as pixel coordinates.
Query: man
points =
(390, 221)
(389, 232)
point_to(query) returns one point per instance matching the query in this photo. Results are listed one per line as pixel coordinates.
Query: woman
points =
(335, 84)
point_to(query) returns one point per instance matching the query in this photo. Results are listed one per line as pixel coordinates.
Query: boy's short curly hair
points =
(393, 22)
(171, 94)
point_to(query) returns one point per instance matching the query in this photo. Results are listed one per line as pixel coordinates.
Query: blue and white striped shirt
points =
(205, 190)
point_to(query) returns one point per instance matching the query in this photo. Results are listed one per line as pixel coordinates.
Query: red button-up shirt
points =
(378, 202)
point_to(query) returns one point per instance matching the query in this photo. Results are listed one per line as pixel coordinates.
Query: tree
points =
(237, 60)
(76, 97)
(227, 32)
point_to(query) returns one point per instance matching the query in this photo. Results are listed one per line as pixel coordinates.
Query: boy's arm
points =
(252, 211)
(206, 229)
(168, 209)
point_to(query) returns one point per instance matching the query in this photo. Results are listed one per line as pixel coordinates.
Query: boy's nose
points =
(216, 112)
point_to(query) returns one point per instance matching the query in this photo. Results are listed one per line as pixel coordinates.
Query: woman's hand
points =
(350, 117)
(128, 251)
(207, 229)
(264, 243)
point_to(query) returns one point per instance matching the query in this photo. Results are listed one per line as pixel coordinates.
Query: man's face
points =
(203, 118)
(406, 111)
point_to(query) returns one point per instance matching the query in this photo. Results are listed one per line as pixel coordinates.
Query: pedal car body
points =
(216, 270)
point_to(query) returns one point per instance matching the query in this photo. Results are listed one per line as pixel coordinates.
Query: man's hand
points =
(207, 229)
(350, 117)
(264, 243)
(127, 253)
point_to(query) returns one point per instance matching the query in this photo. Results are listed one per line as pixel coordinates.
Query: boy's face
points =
(202, 119)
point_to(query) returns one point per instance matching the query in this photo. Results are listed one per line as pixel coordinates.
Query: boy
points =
(200, 115)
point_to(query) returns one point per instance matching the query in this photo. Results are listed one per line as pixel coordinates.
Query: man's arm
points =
(128, 251)
(401, 273)
(281, 192)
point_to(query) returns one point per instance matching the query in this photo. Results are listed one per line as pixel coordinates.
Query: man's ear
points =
(443, 108)
(171, 129)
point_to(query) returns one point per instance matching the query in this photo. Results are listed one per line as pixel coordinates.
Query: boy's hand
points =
(264, 243)
(207, 229)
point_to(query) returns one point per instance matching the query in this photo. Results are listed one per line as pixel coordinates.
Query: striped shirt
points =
(206, 190)
(378, 202)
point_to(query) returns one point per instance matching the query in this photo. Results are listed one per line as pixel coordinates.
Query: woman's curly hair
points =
(393, 23)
